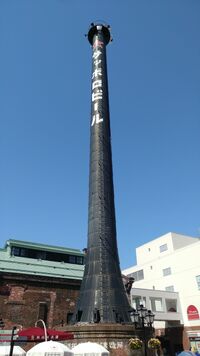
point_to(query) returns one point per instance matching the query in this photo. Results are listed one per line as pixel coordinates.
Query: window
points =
(43, 311)
(171, 305)
(72, 259)
(169, 288)
(41, 255)
(15, 251)
(167, 271)
(138, 275)
(137, 301)
(23, 252)
(156, 304)
(69, 317)
(46, 255)
(79, 315)
(79, 260)
(163, 248)
(198, 281)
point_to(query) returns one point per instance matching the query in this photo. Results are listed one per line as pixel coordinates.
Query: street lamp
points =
(143, 319)
(149, 318)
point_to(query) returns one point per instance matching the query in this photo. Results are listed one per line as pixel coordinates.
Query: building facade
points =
(38, 281)
(168, 319)
(168, 269)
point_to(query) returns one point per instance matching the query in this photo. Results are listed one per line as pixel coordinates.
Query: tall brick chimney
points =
(102, 296)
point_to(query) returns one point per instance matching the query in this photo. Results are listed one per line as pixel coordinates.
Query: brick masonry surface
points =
(21, 296)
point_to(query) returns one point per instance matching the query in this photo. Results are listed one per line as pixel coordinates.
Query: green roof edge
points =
(35, 245)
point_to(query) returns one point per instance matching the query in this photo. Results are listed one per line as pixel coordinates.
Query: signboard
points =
(192, 313)
(97, 81)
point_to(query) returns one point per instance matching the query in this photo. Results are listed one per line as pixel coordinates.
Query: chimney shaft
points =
(102, 296)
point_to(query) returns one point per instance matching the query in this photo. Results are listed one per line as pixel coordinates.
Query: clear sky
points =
(154, 86)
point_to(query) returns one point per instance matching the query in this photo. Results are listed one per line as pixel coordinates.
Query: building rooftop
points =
(42, 260)
(40, 246)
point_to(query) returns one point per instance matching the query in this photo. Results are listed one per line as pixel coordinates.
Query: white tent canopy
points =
(17, 351)
(50, 348)
(90, 349)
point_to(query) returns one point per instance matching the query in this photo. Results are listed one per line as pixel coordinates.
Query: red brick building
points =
(38, 282)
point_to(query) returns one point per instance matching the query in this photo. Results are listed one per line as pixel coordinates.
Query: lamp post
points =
(12, 341)
(44, 326)
(143, 319)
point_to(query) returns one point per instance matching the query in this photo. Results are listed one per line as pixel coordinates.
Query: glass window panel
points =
(198, 281)
(169, 288)
(171, 305)
(79, 260)
(163, 248)
(23, 252)
(156, 304)
(15, 251)
(167, 271)
(43, 311)
(72, 259)
(138, 275)
(137, 301)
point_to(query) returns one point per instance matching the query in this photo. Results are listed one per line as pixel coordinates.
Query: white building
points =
(170, 263)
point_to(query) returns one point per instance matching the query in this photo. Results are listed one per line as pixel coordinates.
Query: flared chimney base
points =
(114, 337)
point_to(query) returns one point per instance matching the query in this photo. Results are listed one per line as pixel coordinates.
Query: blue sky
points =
(154, 85)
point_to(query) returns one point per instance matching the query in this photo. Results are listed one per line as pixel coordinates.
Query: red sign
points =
(38, 334)
(192, 312)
